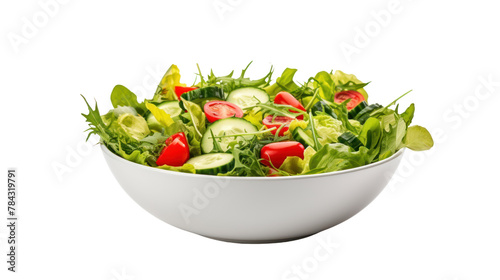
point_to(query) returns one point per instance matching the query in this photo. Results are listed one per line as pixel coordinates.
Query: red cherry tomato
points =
(277, 152)
(278, 121)
(216, 110)
(288, 99)
(355, 97)
(180, 90)
(176, 153)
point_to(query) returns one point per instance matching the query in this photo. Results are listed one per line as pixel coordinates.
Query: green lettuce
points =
(335, 157)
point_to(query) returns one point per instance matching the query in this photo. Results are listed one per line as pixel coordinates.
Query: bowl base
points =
(258, 241)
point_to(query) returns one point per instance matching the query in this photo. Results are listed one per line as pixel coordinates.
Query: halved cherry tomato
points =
(286, 98)
(277, 122)
(176, 153)
(180, 90)
(216, 110)
(276, 153)
(355, 97)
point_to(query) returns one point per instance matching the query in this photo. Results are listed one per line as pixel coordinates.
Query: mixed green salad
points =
(235, 126)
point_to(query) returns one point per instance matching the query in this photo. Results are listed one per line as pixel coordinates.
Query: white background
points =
(438, 219)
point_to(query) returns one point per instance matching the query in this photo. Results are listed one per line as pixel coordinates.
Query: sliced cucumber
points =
(212, 164)
(301, 136)
(349, 139)
(354, 111)
(322, 106)
(365, 113)
(215, 93)
(227, 126)
(247, 97)
(170, 107)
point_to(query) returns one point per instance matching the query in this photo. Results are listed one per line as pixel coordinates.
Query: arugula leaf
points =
(246, 159)
(418, 139)
(228, 83)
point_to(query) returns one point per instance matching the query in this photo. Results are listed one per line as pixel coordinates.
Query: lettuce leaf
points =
(341, 78)
(328, 129)
(160, 115)
(186, 168)
(166, 88)
(418, 139)
(335, 157)
(135, 126)
(198, 119)
(122, 96)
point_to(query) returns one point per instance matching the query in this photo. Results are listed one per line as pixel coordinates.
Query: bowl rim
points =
(112, 155)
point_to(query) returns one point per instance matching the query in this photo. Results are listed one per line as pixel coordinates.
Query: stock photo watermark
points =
(223, 7)
(202, 198)
(325, 248)
(74, 157)
(121, 275)
(453, 118)
(32, 25)
(364, 35)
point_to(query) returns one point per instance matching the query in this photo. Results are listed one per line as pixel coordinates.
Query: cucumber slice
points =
(301, 136)
(365, 113)
(212, 164)
(203, 93)
(350, 140)
(354, 111)
(170, 107)
(247, 97)
(227, 126)
(321, 106)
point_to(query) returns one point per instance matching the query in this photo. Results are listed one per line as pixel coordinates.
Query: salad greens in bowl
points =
(236, 126)
(200, 158)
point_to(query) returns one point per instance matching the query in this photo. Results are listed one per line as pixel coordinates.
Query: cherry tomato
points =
(288, 99)
(180, 90)
(277, 152)
(176, 153)
(216, 110)
(355, 97)
(278, 121)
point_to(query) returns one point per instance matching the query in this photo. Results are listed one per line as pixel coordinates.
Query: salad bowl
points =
(252, 209)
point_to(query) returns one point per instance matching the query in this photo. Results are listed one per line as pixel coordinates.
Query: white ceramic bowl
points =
(252, 209)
